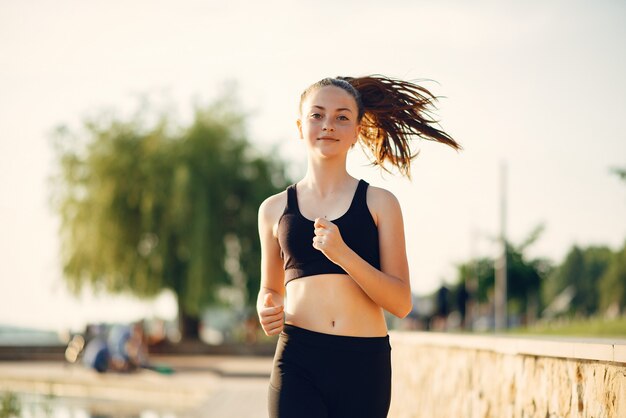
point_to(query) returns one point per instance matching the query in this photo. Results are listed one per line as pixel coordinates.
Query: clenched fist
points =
(271, 316)
(328, 239)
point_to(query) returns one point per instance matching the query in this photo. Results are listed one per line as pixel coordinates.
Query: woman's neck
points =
(326, 178)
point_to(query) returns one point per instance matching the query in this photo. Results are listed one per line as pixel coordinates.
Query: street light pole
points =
(500, 265)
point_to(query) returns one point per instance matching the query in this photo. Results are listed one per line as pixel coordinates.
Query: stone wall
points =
(459, 376)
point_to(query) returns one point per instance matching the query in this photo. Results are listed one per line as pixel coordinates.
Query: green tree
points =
(613, 281)
(620, 171)
(524, 276)
(151, 206)
(483, 272)
(582, 270)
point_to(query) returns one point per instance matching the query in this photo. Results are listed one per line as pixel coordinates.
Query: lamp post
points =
(500, 264)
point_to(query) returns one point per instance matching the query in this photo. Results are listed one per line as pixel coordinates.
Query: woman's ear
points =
(299, 123)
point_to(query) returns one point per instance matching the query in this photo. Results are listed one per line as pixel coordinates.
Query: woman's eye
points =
(342, 117)
(316, 115)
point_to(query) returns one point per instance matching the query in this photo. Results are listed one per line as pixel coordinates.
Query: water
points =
(16, 336)
(40, 406)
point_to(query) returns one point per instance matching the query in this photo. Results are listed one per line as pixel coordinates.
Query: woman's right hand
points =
(271, 316)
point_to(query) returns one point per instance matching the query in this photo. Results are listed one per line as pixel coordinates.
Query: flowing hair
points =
(390, 112)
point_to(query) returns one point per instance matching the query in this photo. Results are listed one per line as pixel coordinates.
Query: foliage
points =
(524, 276)
(613, 282)
(589, 281)
(482, 270)
(10, 406)
(620, 171)
(581, 269)
(147, 206)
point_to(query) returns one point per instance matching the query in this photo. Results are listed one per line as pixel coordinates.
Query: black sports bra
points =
(295, 236)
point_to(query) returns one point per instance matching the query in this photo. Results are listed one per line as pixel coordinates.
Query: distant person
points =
(127, 347)
(462, 299)
(137, 346)
(336, 246)
(97, 355)
(118, 337)
(443, 308)
(96, 351)
(122, 349)
(443, 305)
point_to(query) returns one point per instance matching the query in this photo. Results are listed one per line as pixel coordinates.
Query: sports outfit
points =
(318, 375)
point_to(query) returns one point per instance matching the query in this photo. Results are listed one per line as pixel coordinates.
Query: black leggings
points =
(318, 375)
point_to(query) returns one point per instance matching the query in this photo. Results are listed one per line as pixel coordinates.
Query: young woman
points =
(333, 251)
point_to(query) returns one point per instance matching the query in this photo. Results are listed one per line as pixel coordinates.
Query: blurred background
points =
(137, 140)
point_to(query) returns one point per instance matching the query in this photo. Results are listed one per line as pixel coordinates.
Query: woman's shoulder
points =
(380, 196)
(272, 208)
(382, 202)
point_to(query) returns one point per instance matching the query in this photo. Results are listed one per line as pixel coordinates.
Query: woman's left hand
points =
(328, 239)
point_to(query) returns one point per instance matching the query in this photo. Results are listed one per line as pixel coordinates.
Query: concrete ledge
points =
(612, 350)
(488, 376)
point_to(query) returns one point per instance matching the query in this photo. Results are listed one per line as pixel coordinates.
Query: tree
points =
(620, 172)
(593, 275)
(524, 276)
(582, 270)
(483, 272)
(148, 206)
(613, 281)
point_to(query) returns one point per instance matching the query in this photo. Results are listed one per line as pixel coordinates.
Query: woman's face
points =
(328, 121)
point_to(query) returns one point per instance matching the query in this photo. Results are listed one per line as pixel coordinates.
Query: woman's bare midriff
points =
(333, 304)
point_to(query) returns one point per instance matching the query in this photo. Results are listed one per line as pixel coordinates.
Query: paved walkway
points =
(201, 386)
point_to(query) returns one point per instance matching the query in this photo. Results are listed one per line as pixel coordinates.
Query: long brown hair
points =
(390, 112)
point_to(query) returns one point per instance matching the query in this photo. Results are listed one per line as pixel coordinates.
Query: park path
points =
(201, 386)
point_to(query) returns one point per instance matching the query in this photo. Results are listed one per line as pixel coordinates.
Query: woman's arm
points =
(390, 286)
(270, 301)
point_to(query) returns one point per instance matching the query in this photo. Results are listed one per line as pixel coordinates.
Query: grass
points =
(9, 406)
(590, 328)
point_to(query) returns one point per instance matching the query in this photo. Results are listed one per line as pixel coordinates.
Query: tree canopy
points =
(524, 276)
(582, 269)
(613, 281)
(148, 206)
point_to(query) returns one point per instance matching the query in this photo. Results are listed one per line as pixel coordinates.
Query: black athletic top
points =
(295, 236)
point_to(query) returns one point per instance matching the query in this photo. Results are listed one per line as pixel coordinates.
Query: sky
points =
(537, 86)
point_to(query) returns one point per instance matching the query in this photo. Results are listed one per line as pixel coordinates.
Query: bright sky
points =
(536, 84)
